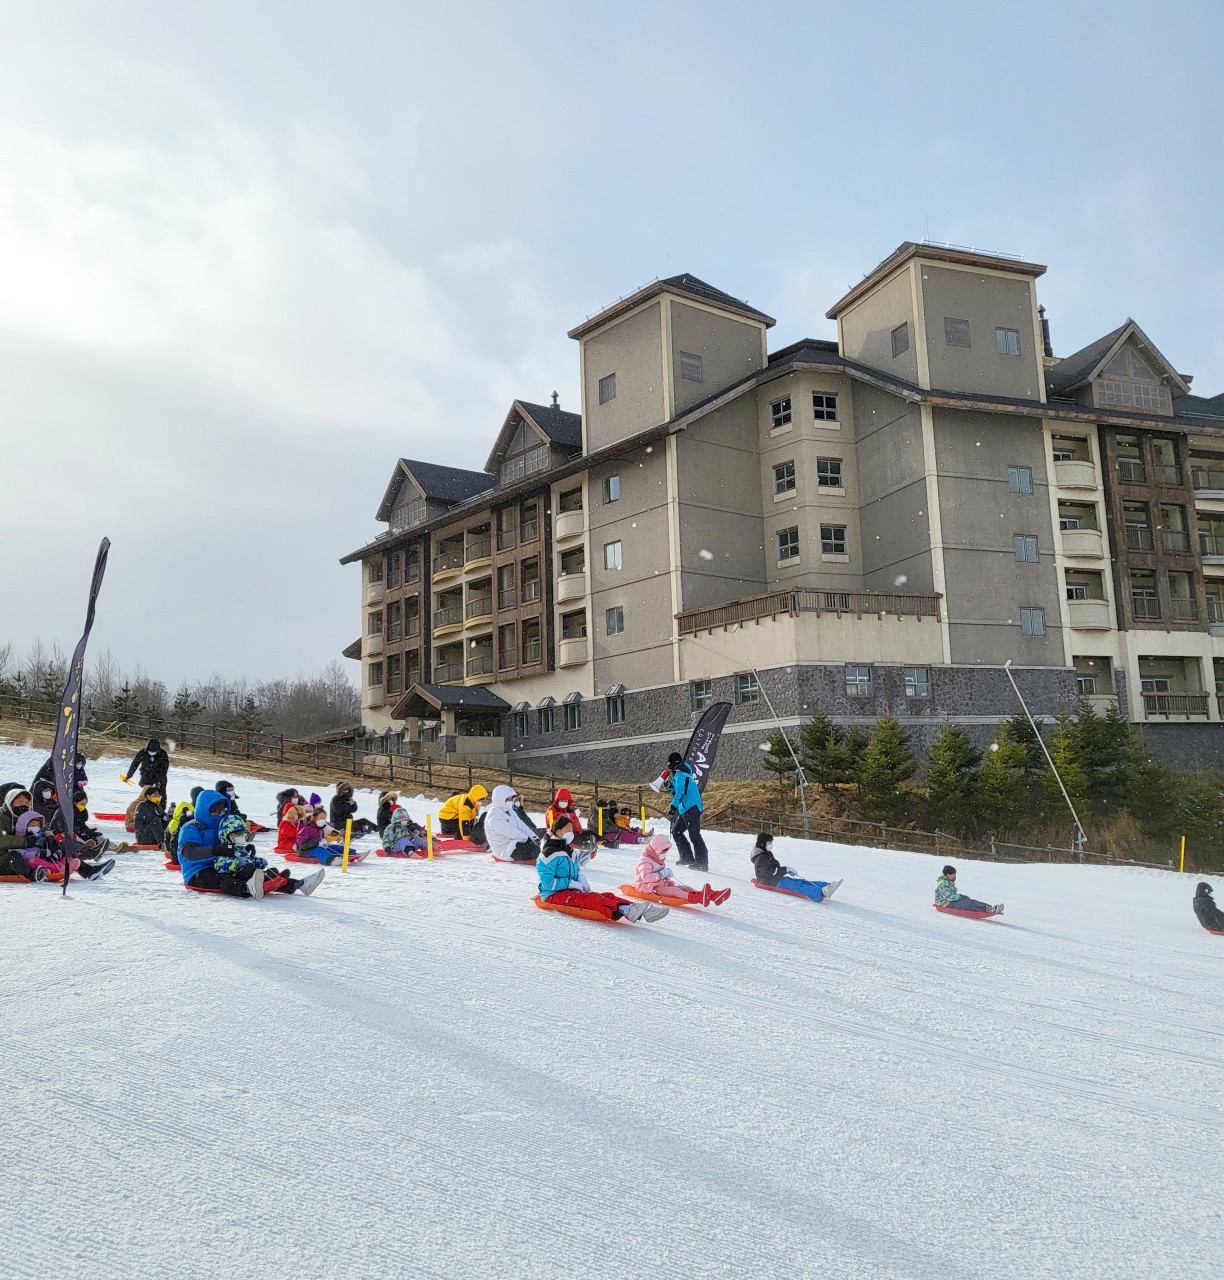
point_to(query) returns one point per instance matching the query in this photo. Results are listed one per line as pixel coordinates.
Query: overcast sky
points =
(250, 253)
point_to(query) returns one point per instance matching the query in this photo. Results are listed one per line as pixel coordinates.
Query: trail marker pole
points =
(348, 835)
(1183, 855)
(429, 835)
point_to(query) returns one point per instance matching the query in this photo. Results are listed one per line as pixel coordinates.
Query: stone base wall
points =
(1186, 746)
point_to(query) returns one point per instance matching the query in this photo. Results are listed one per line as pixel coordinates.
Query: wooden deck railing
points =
(809, 600)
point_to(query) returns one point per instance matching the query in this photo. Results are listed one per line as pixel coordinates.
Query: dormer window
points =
(410, 508)
(1127, 380)
(526, 455)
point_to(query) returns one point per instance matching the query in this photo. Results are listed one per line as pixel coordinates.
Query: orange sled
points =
(581, 912)
(53, 877)
(630, 891)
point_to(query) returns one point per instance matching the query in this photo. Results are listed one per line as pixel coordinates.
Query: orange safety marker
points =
(348, 835)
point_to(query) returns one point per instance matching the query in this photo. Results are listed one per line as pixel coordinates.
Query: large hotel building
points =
(869, 526)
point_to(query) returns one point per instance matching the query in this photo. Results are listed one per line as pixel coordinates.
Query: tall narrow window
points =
(374, 624)
(690, 366)
(1020, 479)
(607, 388)
(375, 674)
(788, 545)
(611, 488)
(1032, 622)
(616, 709)
(573, 714)
(612, 555)
(900, 339)
(615, 619)
(784, 477)
(1008, 341)
(1025, 547)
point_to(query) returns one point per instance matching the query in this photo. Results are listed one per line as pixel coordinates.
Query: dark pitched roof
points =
(682, 284)
(352, 650)
(561, 427)
(1200, 407)
(1075, 368)
(450, 696)
(448, 484)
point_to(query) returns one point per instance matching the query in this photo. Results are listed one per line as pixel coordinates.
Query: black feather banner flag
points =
(702, 747)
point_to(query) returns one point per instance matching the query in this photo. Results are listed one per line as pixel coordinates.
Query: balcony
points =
(448, 619)
(1075, 475)
(1166, 474)
(1207, 482)
(1138, 537)
(480, 665)
(1184, 610)
(571, 586)
(1168, 706)
(412, 626)
(1083, 542)
(506, 539)
(507, 599)
(374, 593)
(477, 554)
(860, 604)
(1089, 615)
(567, 526)
(447, 563)
(1145, 608)
(480, 607)
(373, 696)
(572, 653)
(447, 672)
(1176, 540)
(1211, 547)
(373, 645)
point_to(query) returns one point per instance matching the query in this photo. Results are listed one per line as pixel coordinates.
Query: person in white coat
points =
(510, 839)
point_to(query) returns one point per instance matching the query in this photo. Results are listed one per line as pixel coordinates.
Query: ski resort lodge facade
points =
(870, 526)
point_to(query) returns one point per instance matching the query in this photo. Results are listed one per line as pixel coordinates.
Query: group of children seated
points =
(33, 831)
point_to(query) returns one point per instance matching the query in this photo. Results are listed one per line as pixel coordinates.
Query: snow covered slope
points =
(417, 1073)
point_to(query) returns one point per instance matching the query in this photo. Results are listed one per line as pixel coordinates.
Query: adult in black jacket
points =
(290, 795)
(154, 766)
(1209, 915)
(47, 774)
(228, 791)
(343, 807)
(45, 802)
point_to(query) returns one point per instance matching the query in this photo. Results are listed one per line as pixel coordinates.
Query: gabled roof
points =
(1067, 376)
(352, 650)
(559, 427)
(684, 284)
(441, 484)
(452, 697)
(1201, 407)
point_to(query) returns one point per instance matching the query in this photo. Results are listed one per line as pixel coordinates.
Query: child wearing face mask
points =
(562, 882)
(311, 838)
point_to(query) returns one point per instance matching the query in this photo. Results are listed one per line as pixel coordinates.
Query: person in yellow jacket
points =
(456, 816)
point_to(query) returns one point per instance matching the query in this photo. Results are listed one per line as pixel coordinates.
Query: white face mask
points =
(568, 837)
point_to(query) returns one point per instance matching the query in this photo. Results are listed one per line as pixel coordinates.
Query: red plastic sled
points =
(581, 912)
(773, 888)
(301, 857)
(174, 866)
(510, 862)
(268, 892)
(969, 915)
(111, 817)
(451, 844)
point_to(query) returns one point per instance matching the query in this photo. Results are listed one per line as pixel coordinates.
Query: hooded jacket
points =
(23, 825)
(766, 868)
(686, 794)
(503, 827)
(9, 839)
(556, 809)
(225, 787)
(199, 841)
(558, 869)
(652, 874)
(1209, 915)
(342, 808)
(148, 823)
(153, 763)
(47, 772)
(946, 891)
(463, 807)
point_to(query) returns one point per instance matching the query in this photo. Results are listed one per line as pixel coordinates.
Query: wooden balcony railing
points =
(793, 603)
(1175, 704)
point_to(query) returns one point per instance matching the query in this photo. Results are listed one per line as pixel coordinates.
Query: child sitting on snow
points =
(653, 875)
(183, 812)
(769, 871)
(948, 895)
(311, 838)
(561, 880)
(401, 836)
(38, 856)
(147, 821)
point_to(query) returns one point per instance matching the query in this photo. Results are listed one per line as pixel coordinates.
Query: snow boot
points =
(831, 888)
(998, 908)
(101, 847)
(96, 870)
(310, 883)
(255, 883)
(654, 911)
(40, 874)
(634, 911)
(719, 896)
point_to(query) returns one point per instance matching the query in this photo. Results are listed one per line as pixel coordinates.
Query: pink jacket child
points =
(40, 854)
(653, 875)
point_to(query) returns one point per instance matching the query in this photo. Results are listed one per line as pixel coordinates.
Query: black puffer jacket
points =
(153, 763)
(47, 772)
(148, 823)
(343, 807)
(1209, 915)
(768, 869)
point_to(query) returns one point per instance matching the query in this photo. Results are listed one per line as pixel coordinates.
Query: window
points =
(573, 562)
(1025, 547)
(616, 708)
(833, 539)
(1154, 684)
(395, 621)
(394, 569)
(611, 488)
(1177, 535)
(701, 694)
(1070, 449)
(1032, 622)
(784, 477)
(1077, 590)
(780, 413)
(1130, 461)
(573, 716)
(1084, 584)
(374, 623)
(531, 640)
(531, 579)
(1008, 341)
(1128, 380)
(1138, 527)
(520, 723)
(374, 571)
(690, 366)
(824, 406)
(829, 473)
(1145, 602)
(788, 544)
(858, 682)
(537, 459)
(547, 719)
(614, 619)
(612, 555)
(747, 689)
(507, 648)
(917, 682)
(1062, 454)
(956, 332)
(1020, 479)
(1085, 686)
(395, 673)
(900, 340)
(1068, 522)
(1164, 454)
(570, 500)
(374, 676)
(607, 388)
(573, 625)
(1182, 601)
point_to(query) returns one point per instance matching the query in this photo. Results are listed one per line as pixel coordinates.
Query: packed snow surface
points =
(417, 1073)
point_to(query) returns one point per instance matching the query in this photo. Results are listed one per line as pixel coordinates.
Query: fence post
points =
(429, 772)
(248, 746)
(992, 846)
(214, 737)
(469, 777)
(391, 768)
(354, 768)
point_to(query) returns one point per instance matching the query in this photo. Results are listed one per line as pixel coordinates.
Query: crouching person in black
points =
(208, 863)
(344, 807)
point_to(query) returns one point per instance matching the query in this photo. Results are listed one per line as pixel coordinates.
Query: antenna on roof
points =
(556, 399)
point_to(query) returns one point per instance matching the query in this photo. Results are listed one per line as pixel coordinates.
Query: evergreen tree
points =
(887, 762)
(779, 761)
(1021, 733)
(1066, 755)
(855, 746)
(125, 705)
(248, 718)
(1151, 790)
(823, 753)
(185, 706)
(1003, 792)
(1104, 749)
(1198, 814)
(951, 779)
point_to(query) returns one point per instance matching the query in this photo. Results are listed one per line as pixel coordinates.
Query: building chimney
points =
(556, 398)
(1045, 333)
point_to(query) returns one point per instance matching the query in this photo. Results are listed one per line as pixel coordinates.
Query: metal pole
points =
(1081, 840)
